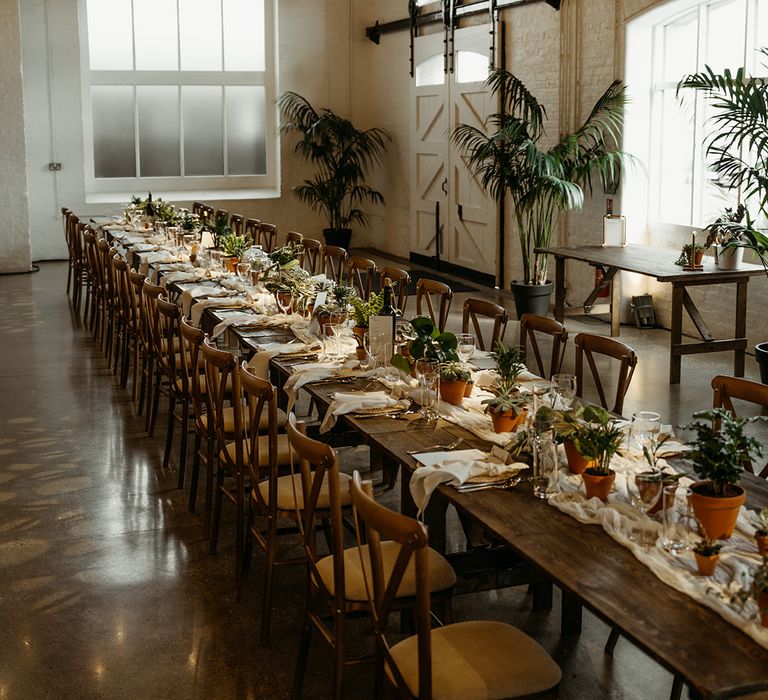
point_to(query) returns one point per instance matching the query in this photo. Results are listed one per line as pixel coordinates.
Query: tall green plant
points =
(508, 156)
(737, 143)
(342, 155)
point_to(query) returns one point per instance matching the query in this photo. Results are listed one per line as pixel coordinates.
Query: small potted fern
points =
(453, 382)
(598, 439)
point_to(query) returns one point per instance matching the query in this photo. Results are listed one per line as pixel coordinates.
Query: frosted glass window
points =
(203, 130)
(471, 67)
(725, 48)
(675, 162)
(680, 47)
(246, 130)
(200, 34)
(110, 37)
(156, 37)
(114, 146)
(159, 130)
(244, 38)
(431, 71)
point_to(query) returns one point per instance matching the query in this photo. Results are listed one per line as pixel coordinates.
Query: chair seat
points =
(285, 492)
(480, 659)
(441, 573)
(229, 421)
(283, 452)
(180, 384)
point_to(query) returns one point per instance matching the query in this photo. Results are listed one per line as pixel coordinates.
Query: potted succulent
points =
(719, 452)
(336, 307)
(507, 409)
(510, 156)
(698, 254)
(427, 343)
(597, 439)
(362, 310)
(728, 239)
(738, 105)
(761, 534)
(342, 154)
(453, 382)
(707, 553)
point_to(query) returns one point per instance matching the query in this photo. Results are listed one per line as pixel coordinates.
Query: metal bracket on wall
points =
(492, 16)
(413, 12)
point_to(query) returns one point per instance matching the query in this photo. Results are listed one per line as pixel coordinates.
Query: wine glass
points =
(564, 386)
(465, 347)
(644, 492)
(284, 299)
(428, 373)
(244, 272)
(644, 430)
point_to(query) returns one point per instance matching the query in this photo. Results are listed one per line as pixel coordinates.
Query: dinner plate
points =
(394, 410)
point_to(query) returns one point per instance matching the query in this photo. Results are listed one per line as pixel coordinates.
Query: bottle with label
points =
(381, 328)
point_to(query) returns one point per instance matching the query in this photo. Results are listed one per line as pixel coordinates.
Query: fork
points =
(432, 448)
(506, 484)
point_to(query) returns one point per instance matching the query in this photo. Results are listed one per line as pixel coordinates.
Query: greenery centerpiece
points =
(342, 155)
(426, 343)
(719, 453)
(729, 240)
(509, 156)
(363, 309)
(337, 304)
(453, 382)
(707, 553)
(234, 245)
(598, 438)
(218, 228)
(508, 407)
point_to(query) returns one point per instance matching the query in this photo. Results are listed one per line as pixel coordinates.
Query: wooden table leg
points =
(570, 621)
(559, 289)
(616, 305)
(741, 325)
(676, 335)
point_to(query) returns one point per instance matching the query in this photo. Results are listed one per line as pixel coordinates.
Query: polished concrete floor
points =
(106, 585)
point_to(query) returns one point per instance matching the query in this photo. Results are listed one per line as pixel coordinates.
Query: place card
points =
(500, 454)
(320, 299)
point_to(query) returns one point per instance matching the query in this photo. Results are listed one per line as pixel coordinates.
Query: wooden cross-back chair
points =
(150, 293)
(293, 238)
(205, 212)
(432, 293)
(588, 345)
(334, 259)
(123, 319)
(91, 256)
(360, 274)
(141, 350)
(471, 659)
(401, 279)
(199, 207)
(725, 389)
(336, 586)
(311, 256)
(474, 309)
(221, 214)
(267, 237)
(251, 228)
(530, 325)
(236, 223)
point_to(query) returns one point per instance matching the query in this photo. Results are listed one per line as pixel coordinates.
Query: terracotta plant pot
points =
(762, 543)
(576, 463)
(706, 563)
(716, 515)
(507, 421)
(698, 256)
(359, 332)
(468, 389)
(598, 485)
(362, 355)
(452, 392)
(762, 604)
(230, 262)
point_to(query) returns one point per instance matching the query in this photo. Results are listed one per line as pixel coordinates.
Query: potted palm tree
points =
(342, 154)
(737, 151)
(542, 182)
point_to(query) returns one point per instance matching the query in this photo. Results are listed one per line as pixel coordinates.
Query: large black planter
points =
(340, 237)
(761, 355)
(531, 298)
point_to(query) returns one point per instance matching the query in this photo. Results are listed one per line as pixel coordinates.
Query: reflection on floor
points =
(106, 586)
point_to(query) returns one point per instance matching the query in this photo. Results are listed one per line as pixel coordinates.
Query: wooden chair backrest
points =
(205, 212)
(319, 463)
(221, 371)
(191, 342)
(259, 397)
(725, 389)
(168, 315)
(136, 280)
(401, 279)
(360, 273)
(383, 524)
(251, 228)
(267, 237)
(479, 308)
(91, 257)
(150, 294)
(221, 214)
(430, 292)
(122, 294)
(333, 262)
(236, 223)
(588, 345)
(293, 238)
(311, 255)
(198, 207)
(530, 325)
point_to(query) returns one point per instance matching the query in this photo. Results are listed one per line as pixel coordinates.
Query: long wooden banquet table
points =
(715, 659)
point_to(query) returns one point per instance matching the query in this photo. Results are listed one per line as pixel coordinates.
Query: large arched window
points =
(672, 40)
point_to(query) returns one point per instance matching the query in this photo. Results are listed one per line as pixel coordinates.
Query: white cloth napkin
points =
(201, 290)
(350, 402)
(201, 306)
(148, 259)
(244, 319)
(454, 468)
(182, 276)
(314, 372)
(259, 363)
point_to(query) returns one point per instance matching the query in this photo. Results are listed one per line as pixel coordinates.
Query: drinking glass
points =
(564, 386)
(338, 331)
(465, 347)
(244, 272)
(541, 395)
(428, 373)
(544, 449)
(644, 430)
(330, 343)
(284, 300)
(644, 492)
(215, 259)
(673, 539)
